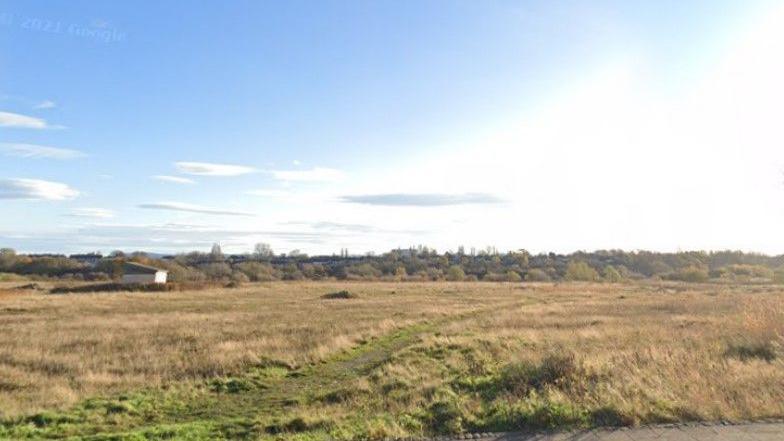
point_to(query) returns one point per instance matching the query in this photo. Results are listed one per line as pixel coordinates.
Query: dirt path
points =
(229, 407)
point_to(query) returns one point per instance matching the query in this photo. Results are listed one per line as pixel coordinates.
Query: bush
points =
(691, 274)
(612, 275)
(749, 351)
(494, 277)
(513, 276)
(554, 370)
(340, 295)
(778, 276)
(578, 270)
(216, 271)
(455, 273)
(537, 275)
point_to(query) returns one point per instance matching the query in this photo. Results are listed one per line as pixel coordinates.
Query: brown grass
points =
(656, 348)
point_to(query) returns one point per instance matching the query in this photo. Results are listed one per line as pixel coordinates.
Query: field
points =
(280, 361)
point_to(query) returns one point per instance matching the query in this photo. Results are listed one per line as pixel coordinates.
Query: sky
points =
(317, 126)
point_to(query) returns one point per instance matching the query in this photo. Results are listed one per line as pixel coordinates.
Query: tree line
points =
(415, 264)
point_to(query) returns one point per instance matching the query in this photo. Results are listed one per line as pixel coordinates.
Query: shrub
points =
(749, 351)
(778, 276)
(612, 275)
(363, 271)
(693, 274)
(537, 275)
(513, 276)
(494, 277)
(455, 273)
(340, 295)
(258, 272)
(580, 271)
(556, 370)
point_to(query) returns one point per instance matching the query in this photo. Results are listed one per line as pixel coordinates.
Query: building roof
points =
(138, 268)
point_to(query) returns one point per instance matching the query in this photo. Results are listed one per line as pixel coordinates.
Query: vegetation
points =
(342, 294)
(278, 361)
(416, 264)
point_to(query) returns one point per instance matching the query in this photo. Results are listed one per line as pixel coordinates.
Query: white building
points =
(137, 273)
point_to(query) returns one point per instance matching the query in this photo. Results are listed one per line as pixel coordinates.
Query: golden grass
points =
(56, 349)
(656, 348)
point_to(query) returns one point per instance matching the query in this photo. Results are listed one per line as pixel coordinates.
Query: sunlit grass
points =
(391, 359)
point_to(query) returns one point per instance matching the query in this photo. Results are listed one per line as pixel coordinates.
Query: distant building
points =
(137, 273)
(91, 259)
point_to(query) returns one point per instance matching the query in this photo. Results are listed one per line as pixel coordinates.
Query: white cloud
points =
(296, 162)
(96, 213)
(8, 119)
(35, 189)
(269, 193)
(38, 151)
(174, 179)
(422, 199)
(316, 174)
(179, 206)
(47, 104)
(210, 169)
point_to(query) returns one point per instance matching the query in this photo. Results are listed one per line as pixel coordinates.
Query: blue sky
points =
(167, 126)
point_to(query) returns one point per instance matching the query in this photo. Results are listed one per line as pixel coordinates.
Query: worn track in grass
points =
(230, 408)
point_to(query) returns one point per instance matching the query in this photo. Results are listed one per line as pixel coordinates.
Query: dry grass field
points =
(278, 361)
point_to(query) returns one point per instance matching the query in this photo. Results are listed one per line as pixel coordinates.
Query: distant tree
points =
(521, 257)
(7, 259)
(111, 267)
(400, 272)
(216, 254)
(578, 270)
(263, 251)
(455, 273)
(611, 274)
(297, 254)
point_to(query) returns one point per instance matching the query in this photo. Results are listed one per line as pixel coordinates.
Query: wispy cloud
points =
(178, 206)
(174, 179)
(95, 213)
(169, 237)
(35, 189)
(35, 151)
(269, 193)
(47, 104)
(352, 228)
(422, 199)
(339, 226)
(210, 169)
(15, 120)
(316, 174)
